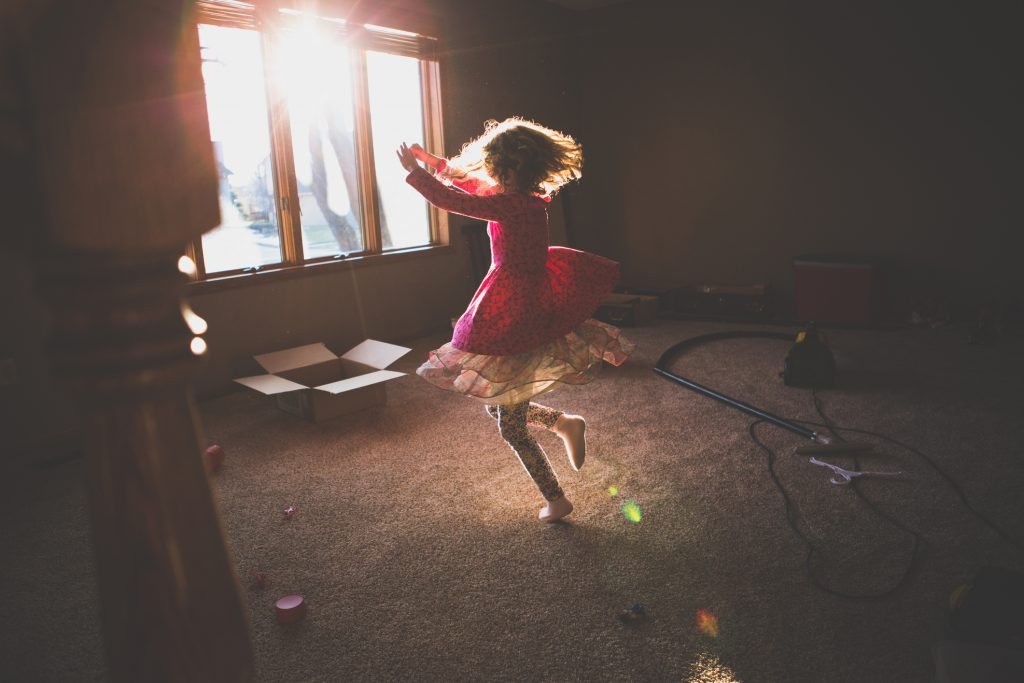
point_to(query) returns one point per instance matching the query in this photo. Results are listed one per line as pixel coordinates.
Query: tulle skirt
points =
(575, 358)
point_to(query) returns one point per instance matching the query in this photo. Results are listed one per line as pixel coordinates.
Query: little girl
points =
(528, 327)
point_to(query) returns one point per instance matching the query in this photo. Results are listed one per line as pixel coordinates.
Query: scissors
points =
(844, 477)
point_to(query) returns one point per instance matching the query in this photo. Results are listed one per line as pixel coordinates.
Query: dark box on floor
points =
(628, 310)
(721, 300)
(837, 289)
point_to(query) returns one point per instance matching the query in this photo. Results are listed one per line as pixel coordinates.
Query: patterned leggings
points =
(512, 422)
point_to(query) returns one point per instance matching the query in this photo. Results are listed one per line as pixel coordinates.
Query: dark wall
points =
(726, 138)
(503, 59)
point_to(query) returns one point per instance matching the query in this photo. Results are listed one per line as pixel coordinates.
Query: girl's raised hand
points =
(407, 158)
(418, 152)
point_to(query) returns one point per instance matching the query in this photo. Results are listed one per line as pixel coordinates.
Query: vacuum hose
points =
(669, 355)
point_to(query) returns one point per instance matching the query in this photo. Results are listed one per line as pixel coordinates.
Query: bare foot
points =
(573, 431)
(555, 510)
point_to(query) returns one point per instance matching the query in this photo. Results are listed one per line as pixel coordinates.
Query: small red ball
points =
(214, 458)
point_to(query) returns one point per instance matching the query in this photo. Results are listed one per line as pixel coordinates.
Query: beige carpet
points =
(417, 547)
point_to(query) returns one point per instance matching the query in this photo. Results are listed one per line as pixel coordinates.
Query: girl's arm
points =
(490, 208)
(469, 185)
(487, 208)
(444, 171)
(436, 163)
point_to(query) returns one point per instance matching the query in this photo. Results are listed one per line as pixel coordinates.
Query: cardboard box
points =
(311, 382)
(627, 310)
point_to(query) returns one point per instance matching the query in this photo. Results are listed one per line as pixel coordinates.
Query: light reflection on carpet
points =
(709, 669)
(707, 623)
(631, 509)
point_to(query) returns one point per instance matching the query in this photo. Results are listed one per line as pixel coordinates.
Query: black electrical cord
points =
(836, 430)
(791, 517)
(931, 462)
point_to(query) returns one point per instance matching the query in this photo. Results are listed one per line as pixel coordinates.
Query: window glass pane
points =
(314, 70)
(237, 106)
(396, 115)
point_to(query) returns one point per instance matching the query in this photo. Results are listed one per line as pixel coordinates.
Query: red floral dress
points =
(528, 326)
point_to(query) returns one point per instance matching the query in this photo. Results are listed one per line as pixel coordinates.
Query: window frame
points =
(268, 21)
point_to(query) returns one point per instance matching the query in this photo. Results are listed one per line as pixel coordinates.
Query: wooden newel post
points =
(170, 599)
(110, 118)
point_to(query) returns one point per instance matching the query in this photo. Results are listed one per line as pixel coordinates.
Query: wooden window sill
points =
(280, 273)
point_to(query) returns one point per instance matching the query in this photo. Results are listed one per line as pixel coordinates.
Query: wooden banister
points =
(105, 114)
(170, 599)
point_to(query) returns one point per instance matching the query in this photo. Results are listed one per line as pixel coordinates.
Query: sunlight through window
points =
(314, 68)
(396, 115)
(236, 101)
(305, 113)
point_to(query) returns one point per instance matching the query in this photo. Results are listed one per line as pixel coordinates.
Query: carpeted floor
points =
(417, 547)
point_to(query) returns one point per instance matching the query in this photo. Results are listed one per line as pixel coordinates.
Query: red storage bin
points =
(836, 289)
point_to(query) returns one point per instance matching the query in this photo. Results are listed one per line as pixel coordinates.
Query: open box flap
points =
(300, 356)
(376, 354)
(360, 381)
(270, 384)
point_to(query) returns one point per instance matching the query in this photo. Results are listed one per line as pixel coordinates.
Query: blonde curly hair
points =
(521, 156)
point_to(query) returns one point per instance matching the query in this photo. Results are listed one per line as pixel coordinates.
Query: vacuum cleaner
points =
(809, 364)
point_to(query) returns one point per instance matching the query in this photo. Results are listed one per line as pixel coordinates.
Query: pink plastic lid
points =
(290, 602)
(290, 608)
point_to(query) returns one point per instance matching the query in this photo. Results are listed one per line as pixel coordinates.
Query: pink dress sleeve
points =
(488, 207)
(468, 185)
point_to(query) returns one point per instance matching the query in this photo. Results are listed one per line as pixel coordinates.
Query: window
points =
(305, 115)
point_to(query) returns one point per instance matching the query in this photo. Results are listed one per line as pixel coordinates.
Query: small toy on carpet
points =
(214, 458)
(290, 609)
(635, 613)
